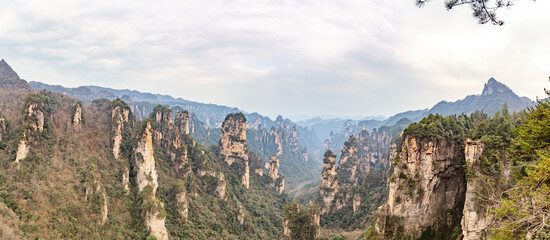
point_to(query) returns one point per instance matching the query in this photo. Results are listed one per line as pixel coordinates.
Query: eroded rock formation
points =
(233, 147)
(182, 122)
(278, 180)
(329, 182)
(475, 219)
(146, 181)
(120, 118)
(33, 122)
(166, 135)
(347, 167)
(182, 205)
(426, 189)
(77, 114)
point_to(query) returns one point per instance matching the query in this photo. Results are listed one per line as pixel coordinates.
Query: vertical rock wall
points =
(427, 189)
(475, 219)
(146, 181)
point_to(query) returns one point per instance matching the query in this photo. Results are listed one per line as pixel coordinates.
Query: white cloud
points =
(279, 57)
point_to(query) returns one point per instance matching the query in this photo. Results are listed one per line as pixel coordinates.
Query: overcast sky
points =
(294, 58)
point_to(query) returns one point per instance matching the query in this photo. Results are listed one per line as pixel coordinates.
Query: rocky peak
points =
(145, 160)
(146, 181)
(10, 79)
(162, 114)
(329, 182)
(182, 122)
(278, 180)
(120, 119)
(347, 167)
(273, 167)
(233, 148)
(494, 87)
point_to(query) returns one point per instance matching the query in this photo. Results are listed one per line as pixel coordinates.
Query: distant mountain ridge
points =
(494, 95)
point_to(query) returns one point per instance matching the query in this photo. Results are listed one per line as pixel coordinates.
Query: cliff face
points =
(329, 182)
(426, 190)
(120, 118)
(147, 183)
(233, 148)
(475, 219)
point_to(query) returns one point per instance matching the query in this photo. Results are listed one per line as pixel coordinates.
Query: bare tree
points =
(483, 10)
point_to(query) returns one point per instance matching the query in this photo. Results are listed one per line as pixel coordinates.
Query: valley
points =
(81, 162)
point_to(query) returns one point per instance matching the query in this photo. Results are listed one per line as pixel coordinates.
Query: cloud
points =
(279, 57)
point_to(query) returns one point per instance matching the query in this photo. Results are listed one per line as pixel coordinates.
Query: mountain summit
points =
(495, 87)
(491, 100)
(10, 79)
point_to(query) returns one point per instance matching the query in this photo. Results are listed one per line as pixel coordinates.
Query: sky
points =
(300, 59)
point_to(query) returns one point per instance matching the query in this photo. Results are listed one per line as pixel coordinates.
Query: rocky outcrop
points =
(475, 219)
(356, 203)
(3, 129)
(425, 191)
(221, 184)
(273, 167)
(182, 205)
(182, 122)
(278, 180)
(295, 218)
(146, 173)
(166, 135)
(120, 119)
(146, 181)
(347, 167)
(33, 122)
(233, 148)
(240, 215)
(77, 114)
(329, 182)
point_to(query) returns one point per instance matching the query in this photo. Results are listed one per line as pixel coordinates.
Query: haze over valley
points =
(274, 120)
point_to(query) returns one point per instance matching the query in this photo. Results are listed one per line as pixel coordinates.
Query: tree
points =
(483, 10)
